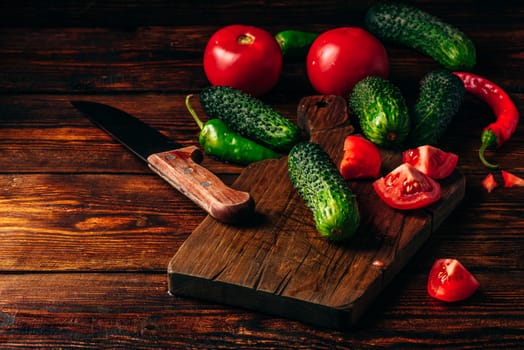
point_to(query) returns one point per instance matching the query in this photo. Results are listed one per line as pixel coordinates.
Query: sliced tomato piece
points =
(361, 159)
(489, 182)
(407, 188)
(450, 281)
(511, 180)
(432, 161)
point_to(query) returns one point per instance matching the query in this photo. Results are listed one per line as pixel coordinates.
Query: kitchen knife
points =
(175, 164)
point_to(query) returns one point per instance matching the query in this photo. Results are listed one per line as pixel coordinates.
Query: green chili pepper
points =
(295, 43)
(218, 140)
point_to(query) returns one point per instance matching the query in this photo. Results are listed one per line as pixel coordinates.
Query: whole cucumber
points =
(441, 95)
(250, 117)
(417, 29)
(382, 111)
(324, 191)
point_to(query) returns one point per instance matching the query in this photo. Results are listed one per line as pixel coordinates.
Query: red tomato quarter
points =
(511, 180)
(243, 57)
(431, 160)
(450, 281)
(361, 158)
(341, 57)
(407, 188)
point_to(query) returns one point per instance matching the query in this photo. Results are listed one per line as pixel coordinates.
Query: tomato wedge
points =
(407, 188)
(361, 159)
(431, 160)
(489, 182)
(450, 281)
(511, 180)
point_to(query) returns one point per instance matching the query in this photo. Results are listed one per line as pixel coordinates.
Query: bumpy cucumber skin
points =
(417, 29)
(325, 192)
(440, 98)
(250, 117)
(382, 112)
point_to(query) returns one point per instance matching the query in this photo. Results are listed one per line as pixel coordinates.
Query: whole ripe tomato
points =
(407, 188)
(450, 281)
(243, 57)
(341, 57)
(361, 159)
(431, 160)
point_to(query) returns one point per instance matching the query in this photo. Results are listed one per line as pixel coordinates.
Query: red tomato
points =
(361, 158)
(450, 281)
(511, 180)
(489, 182)
(432, 161)
(243, 57)
(341, 57)
(407, 188)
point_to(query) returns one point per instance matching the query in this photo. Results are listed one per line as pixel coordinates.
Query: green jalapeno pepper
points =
(218, 140)
(295, 43)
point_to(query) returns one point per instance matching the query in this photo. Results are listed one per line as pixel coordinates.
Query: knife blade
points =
(177, 165)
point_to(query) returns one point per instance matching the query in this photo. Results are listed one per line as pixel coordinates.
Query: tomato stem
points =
(245, 39)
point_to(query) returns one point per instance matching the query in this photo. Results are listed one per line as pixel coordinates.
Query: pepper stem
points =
(489, 139)
(193, 113)
(483, 159)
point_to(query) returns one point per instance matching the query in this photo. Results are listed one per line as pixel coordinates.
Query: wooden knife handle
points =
(180, 168)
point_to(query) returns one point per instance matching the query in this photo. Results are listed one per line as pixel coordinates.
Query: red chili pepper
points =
(498, 132)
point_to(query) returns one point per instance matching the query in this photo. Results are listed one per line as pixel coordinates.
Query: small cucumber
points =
(381, 110)
(324, 191)
(295, 43)
(417, 29)
(250, 117)
(441, 95)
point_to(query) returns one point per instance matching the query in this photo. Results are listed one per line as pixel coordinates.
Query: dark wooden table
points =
(87, 231)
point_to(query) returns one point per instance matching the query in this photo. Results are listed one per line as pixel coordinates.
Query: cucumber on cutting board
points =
(441, 95)
(417, 29)
(250, 117)
(382, 111)
(325, 192)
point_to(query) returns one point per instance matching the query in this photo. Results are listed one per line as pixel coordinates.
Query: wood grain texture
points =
(53, 222)
(124, 310)
(280, 264)
(165, 57)
(87, 230)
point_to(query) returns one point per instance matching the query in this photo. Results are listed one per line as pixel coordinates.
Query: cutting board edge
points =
(339, 318)
(456, 197)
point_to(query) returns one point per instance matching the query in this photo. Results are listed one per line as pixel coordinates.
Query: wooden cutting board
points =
(278, 263)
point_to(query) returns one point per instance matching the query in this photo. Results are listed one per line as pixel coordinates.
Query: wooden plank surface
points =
(84, 250)
(279, 264)
(123, 310)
